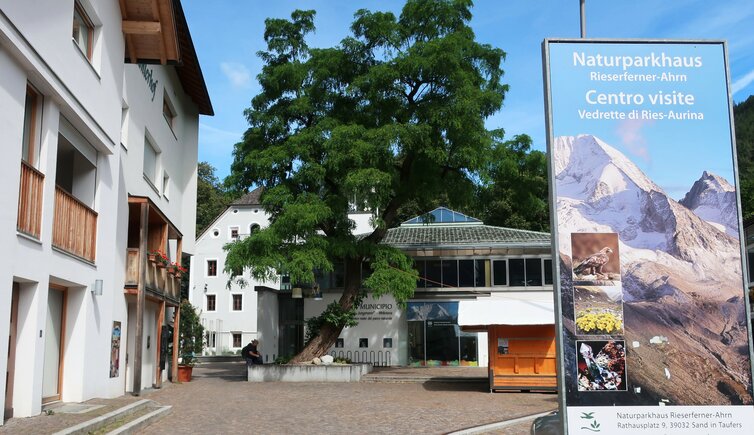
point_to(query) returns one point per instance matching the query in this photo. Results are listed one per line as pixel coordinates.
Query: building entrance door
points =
(291, 324)
(11, 353)
(54, 345)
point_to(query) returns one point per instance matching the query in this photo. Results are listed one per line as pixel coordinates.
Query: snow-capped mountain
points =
(681, 275)
(713, 199)
(601, 190)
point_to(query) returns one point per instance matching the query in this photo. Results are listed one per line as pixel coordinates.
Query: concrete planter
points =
(307, 372)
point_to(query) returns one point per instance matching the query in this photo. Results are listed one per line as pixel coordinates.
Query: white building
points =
(230, 310)
(92, 139)
(458, 259)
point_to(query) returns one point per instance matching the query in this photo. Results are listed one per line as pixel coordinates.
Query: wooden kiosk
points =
(521, 342)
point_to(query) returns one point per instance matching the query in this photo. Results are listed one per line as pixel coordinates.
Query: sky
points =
(227, 34)
(665, 107)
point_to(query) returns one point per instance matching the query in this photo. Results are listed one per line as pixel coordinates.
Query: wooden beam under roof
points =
(141, 27)
(150, 31)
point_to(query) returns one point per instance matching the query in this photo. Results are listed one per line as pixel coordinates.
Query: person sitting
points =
(251, 353)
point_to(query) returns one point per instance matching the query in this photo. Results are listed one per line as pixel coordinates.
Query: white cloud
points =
(219, 131)
(630, 133)
(237, 73)
(742, 82)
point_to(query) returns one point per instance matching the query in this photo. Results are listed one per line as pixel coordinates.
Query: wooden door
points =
(52, 377)
(11, 353)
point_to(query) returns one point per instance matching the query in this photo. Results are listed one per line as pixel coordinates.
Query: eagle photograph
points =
(595, 258)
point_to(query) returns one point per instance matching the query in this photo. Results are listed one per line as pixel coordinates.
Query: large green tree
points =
(211, 196)
(744, 119)
(392, 117)
(513, 192)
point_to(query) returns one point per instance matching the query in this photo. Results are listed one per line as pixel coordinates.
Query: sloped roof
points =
(252, 198)
(460, 235)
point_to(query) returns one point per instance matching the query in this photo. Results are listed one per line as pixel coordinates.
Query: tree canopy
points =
(743, 114)
(391, 118)
(514, 189)
(211, 196)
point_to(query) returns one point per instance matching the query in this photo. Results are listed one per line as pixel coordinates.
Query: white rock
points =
(327, 359)
(316, 361)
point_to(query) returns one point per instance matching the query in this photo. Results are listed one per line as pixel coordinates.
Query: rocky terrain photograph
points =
(680, 264)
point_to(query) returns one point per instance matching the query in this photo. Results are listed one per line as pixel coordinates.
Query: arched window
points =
(253, 228)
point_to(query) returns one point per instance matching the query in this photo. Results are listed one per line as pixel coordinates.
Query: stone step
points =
(125, 420)
(423, 379)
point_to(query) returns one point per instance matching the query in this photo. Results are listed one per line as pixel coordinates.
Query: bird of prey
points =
(592, 265)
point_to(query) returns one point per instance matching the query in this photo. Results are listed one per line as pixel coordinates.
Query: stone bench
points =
(307, 372)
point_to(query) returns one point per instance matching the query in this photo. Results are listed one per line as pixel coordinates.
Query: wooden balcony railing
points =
(157, 277)
(75, 226)
(30, 201)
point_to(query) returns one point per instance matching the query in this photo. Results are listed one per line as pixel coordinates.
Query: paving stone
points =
(219, 400)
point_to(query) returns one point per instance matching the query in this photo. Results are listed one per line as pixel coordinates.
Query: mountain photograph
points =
(684, 321)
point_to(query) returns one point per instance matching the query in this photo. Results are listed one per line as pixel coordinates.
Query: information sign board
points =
(654, 324)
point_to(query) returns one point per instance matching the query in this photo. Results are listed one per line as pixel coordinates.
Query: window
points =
(387, 342)
(237, 302)
(233, 233)
(83, 30)
(482, 273)
(450, 273)
(236, 339)
(215, 232)
(211, 267)
(165, 185)
(516, 269)
(253, 228)
(211, 302)
(465, 273)
(29, 146)
(433, 273)
(124, 126)
(548, 271)
(533, 271)
(167, 111)
(499, 272)
(363, 342)
(339, 343)
(150, 161)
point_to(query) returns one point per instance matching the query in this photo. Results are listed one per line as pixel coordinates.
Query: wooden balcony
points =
(30, 201)
(75, 226)
(158, 281)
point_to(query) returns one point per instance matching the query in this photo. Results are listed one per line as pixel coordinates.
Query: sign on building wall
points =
(654, 323)
(115, 351)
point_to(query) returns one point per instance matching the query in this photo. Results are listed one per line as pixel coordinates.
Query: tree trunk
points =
(328, 334)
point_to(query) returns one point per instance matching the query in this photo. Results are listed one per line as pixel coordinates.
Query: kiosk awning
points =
(505, 312)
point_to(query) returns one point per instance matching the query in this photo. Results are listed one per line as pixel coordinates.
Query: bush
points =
(191, 338)
(341, 360)
(282, 360)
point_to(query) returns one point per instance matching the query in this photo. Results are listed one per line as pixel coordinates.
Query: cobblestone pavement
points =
(219, 401)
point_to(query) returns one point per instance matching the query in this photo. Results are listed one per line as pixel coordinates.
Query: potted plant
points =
(176, 269)
(158, 258)
(190, 341)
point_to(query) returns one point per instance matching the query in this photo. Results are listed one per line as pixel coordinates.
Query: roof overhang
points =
(156, 32)
(505, 311)
(150, 31)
